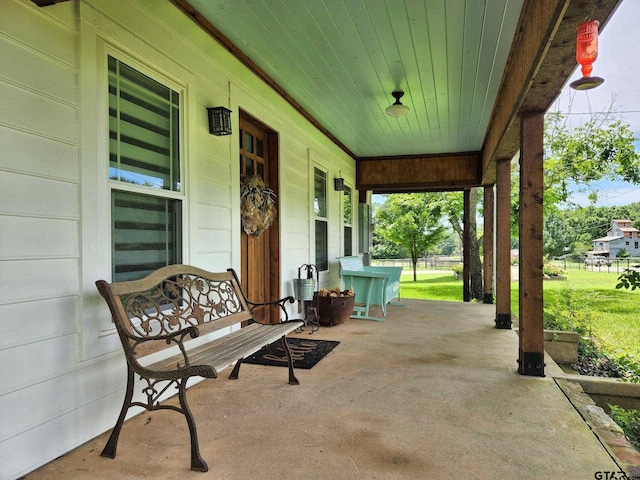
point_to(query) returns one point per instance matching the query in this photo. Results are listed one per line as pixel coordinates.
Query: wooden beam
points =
(503, 243)
(466, 247)
(418, 173)
(487, 247)
(531, 358)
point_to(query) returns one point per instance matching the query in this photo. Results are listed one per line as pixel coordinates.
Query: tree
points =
(453, 205)
(413, 221)
(600, 148)
(558, 235)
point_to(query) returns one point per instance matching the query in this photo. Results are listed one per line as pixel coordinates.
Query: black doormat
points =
(306, 353)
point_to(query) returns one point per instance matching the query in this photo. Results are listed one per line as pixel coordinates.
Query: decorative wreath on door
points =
(257, 205)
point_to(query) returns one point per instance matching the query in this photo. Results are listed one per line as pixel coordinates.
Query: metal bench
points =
(167, 310)
(371, 285)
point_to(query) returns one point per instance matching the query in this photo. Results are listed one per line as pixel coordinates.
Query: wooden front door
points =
(260, 255)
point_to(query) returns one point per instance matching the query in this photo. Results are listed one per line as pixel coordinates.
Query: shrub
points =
(569, 312)
(552, 271)
(629, 421)
(457, 270)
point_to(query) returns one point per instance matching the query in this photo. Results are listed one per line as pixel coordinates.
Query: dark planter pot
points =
(333, 310)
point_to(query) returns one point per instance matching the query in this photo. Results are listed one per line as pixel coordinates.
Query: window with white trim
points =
(347, 220)
(144, 173)
(321, 219)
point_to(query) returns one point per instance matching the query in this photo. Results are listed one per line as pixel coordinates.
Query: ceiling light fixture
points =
(397, 109)
(586, 54)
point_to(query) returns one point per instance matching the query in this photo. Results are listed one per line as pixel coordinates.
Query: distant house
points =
(620, 236)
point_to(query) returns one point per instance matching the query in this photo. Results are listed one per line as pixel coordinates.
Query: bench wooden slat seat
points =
(371, 285)
(170, 309)
(225, 351)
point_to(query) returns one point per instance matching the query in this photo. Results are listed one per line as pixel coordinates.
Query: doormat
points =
(305, 353)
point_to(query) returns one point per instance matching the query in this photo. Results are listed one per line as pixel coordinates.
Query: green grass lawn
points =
(615, 313)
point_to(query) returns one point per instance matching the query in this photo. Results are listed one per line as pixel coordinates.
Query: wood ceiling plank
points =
(478, 24)
(493, 27)
(367, 81)
(319, 73)
(455, 15)
(437, 40)
(424, 63)
(405, 70)
(474, 16)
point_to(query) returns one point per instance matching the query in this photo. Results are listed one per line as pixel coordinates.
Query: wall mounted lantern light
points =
(338, 184)
(219, 121)
(586, 54)
(397, 109)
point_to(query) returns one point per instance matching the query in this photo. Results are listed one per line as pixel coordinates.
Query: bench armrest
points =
(252, 305)
(369, 274)
(394, 272)
(280, 303)
(175, 338)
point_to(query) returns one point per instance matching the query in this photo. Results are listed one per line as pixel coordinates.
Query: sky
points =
(619, 64)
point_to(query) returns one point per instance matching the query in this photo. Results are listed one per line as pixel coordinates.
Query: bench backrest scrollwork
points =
(171, 305)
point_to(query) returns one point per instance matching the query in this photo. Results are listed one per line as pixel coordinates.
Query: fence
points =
(618, 265)
(425, 263)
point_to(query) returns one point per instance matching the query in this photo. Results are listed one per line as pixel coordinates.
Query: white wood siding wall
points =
(63, 374)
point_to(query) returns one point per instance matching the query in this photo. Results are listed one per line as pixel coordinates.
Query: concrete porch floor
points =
(432, 393)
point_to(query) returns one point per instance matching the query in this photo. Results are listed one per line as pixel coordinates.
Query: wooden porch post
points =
(503, 243)
(487, 266)
(531, 355)
(466, 250)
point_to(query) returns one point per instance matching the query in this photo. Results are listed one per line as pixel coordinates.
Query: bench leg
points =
(292, 377)
(236, 370)
(197, 462)
(109, 449)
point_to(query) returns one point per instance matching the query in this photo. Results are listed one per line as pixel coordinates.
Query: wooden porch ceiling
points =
(337, 61)
(469, 68)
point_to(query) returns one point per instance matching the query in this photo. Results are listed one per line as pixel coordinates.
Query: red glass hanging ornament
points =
(586, 54)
